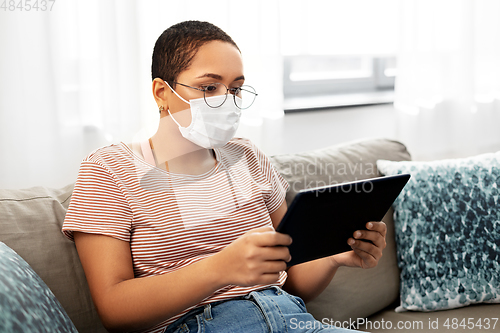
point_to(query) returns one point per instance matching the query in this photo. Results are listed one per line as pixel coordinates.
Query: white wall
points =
(57, 165)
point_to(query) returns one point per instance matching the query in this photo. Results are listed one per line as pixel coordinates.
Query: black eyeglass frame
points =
(232, 90)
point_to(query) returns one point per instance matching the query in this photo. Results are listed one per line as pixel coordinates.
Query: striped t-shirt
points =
(173, 220)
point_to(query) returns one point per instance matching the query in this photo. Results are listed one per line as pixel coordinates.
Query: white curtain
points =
(448, 82)
(79, 77)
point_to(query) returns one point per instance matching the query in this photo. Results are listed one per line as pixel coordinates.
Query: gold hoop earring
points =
(161, 108)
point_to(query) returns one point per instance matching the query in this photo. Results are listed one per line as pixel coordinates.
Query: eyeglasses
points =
(246, 94)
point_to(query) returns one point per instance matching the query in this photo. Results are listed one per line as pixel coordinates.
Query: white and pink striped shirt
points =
(173, 220)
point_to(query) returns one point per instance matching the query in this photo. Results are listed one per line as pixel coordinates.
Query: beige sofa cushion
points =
(353, 292)
(30, 224)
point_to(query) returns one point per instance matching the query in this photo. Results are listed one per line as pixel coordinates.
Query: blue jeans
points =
(269, 310)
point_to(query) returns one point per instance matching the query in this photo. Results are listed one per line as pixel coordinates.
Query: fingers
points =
(277, 253)
(376, 235)
(267, 267)
(267, 236)
(377, 226)
(273, 267)
(368, 252)
(367, 247)
(268, 245)
(266, 273)
(368, 244)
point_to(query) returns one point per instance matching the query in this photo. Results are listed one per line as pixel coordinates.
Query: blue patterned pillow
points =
(447, 222)
(26, 303)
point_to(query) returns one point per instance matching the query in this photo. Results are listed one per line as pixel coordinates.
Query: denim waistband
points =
(266, 310)
(206, 309)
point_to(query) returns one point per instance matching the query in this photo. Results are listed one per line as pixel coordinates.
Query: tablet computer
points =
(321, 220)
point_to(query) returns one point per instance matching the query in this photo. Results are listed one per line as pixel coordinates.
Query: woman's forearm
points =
(140, 303)
(126, 303)
(309, 279)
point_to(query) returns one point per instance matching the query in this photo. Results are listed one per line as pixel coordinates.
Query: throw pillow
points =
(26, 303)
(447, 225)
(30, 223)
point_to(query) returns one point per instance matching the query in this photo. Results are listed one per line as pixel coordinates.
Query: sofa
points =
(30, 228)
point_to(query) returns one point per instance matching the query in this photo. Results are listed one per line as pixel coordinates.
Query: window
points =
(338, 52)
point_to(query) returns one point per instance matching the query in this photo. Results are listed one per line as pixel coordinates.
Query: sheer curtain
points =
(78, 77)
(448, 82)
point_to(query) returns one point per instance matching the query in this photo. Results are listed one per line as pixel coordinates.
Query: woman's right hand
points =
(256, 257)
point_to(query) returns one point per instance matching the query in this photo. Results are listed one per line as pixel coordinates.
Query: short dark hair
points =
(176, 47)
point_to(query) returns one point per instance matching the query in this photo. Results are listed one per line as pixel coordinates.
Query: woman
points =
(179, 230)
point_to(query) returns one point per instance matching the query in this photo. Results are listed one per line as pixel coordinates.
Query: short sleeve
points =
(98, 205)
(278, 184)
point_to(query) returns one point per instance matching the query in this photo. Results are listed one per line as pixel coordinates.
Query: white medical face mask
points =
(210, 127)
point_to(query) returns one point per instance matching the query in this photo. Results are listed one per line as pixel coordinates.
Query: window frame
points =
(377, 81)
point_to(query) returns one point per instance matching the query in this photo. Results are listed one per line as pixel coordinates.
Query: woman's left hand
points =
(364, 254)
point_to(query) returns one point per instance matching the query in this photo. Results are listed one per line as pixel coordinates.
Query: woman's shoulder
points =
(109, 154)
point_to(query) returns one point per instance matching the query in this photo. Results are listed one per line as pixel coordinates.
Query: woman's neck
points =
(176, 153)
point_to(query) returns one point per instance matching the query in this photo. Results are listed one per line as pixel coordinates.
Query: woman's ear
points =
(161, 93)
